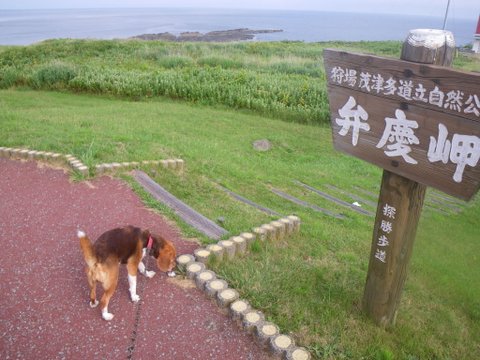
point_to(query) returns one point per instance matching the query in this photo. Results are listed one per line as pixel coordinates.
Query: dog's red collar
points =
(150, 242)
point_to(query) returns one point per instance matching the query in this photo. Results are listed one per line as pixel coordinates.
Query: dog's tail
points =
(87, 249)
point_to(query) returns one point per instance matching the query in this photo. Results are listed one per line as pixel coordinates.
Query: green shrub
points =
(283, 80)
(10, 76)
(54, 76)
(223, 62)
(170, 62)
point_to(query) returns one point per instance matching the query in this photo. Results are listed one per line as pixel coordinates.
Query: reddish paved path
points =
(44, 311)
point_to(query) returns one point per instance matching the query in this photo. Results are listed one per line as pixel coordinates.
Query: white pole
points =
(446, 15)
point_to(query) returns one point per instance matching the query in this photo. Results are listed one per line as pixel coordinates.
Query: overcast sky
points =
(458, 8)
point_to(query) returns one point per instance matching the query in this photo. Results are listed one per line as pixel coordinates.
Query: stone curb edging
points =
(50, 157)
(252, 321)
(76, 165)
(107, 168)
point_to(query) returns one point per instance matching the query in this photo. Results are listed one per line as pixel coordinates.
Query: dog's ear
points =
(166, 257)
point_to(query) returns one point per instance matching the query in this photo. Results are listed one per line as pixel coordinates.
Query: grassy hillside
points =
(280, 80)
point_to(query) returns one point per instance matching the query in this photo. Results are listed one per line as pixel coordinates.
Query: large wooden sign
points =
(415, 120)
(421, 124)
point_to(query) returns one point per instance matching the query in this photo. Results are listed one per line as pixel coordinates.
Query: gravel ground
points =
(44, 309)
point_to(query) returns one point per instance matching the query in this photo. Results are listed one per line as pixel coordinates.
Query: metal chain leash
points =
(136, 322)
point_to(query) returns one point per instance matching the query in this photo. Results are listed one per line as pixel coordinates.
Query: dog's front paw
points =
(107, 316)
(150, 274)
(93, 304)
(135, 298)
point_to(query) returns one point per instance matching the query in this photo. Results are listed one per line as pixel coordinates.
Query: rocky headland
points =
(212, 36)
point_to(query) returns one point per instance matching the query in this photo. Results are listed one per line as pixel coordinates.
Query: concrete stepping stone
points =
(336, 200)
(249, 202)
(353, 196)
(307, 205)
(189, 215)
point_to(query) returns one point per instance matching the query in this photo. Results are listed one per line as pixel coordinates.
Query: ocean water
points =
(22, 27)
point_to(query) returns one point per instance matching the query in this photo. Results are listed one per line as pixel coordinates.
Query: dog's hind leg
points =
(92, 283)
(109, 285)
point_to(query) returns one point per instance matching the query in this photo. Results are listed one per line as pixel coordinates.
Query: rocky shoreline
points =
(212, 36)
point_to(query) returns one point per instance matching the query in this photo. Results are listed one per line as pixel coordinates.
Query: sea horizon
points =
(24, 27)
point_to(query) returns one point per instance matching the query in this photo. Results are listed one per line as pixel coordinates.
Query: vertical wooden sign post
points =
(399, 205)
(399, 208)
(419, 121)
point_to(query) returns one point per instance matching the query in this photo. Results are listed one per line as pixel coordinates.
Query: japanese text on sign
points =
(399, 135)
(386, 227)
(418, 121)
(455, 100)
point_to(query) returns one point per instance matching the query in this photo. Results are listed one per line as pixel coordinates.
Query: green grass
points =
(207, 103)
(282, 80)
(311, 285)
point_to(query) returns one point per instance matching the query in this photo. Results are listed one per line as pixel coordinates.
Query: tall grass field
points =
(106, 101)
(281, 80)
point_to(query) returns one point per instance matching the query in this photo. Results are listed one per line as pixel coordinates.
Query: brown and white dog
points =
(127, 245)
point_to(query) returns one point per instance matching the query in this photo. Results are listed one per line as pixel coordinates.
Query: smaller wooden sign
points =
(418, 121)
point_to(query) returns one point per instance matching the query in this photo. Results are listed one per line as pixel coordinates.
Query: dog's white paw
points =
(135, 298)
(107, 316)
(150, 274)
(94, 304)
